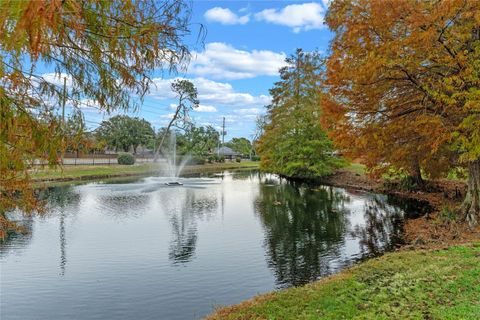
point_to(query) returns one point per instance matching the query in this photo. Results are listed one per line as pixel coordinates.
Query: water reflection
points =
(213, 240)
(17, 240)
(383, 227)
(311, 233)
(183, 211)
(122, 206)
(302, 227)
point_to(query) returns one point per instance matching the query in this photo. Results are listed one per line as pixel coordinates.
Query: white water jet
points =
(173, 169)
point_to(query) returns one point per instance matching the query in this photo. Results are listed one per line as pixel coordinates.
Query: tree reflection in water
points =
(15, 240)
(383, 228)
(59, 198)
(184, 210)
(311, 233)
(302, 226)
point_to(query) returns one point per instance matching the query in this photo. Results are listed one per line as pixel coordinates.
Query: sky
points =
(238, 61)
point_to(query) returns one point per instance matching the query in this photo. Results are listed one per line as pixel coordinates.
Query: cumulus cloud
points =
(251, 111)
(205, 108)
(222, 61)
(167, 116)
(225, 16)
(299, 17)
(212, 93)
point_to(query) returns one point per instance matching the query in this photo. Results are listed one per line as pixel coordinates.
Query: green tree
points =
(106, 50)
(293, 143)
(240, 145)
(124, 132)
(199, 141)
(75, 133)
(187, 96)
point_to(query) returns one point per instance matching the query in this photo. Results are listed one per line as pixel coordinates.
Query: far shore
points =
(90, 172)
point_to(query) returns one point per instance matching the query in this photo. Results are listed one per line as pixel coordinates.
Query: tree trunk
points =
(416, 174)
(175, 116)
(471, 204)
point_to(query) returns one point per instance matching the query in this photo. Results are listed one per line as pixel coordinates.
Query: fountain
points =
(174, 169)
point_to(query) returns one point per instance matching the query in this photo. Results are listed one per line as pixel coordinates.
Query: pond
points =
(140, 249)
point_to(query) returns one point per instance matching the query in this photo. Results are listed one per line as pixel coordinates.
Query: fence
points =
(71, 159)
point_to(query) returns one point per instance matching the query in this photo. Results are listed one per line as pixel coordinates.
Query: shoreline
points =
(415, 284)
(437, 229)
(431, 230)
(89, 173)
(381, 287)
(426, 237)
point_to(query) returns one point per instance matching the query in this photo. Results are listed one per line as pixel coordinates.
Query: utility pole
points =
(64, 100)
(223, 132)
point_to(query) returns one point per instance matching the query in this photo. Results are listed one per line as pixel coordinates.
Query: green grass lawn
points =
(443, 284)
(356, 168)
(84, 172)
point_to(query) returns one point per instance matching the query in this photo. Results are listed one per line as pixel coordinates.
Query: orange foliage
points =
(404, 79)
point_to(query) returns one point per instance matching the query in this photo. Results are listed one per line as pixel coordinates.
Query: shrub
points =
(211, 159)
(196, 160)
(238, 159)
(255, 158)
(126, 159)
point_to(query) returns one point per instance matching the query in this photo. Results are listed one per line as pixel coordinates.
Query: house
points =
(227, 152)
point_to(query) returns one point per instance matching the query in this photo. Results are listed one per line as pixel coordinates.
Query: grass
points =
(98, 171)
(442, 284)
(357, 168)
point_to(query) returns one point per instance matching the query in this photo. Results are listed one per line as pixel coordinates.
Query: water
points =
(144, 250)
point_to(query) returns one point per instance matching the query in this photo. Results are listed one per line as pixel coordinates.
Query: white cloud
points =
(167, 116)
(300, 17)
(222, 61)
(249, 111)
(225, 16)
(57, 79)
(205, 108)
(212, 93)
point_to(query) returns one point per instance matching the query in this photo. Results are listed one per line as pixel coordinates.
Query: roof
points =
(226, 151)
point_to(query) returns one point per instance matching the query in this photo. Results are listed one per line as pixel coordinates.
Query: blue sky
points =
(245, 44)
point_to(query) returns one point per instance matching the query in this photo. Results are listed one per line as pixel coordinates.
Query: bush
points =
(255, 158)
(211, 159)
(126, 159)
(238, 159)
(196, 161)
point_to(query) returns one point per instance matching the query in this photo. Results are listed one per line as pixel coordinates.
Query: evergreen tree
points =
(293, 143)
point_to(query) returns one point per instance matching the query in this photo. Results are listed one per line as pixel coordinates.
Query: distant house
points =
(227, 152)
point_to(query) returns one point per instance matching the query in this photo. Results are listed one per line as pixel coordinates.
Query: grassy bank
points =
(71, 173)
(440, 284)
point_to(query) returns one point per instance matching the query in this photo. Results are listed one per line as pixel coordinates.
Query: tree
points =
(106, 50)
(199, 140)
(187, 100)
(240, 145)
(293, 143)
(404, 79)
(124, 133)
(77, 139)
